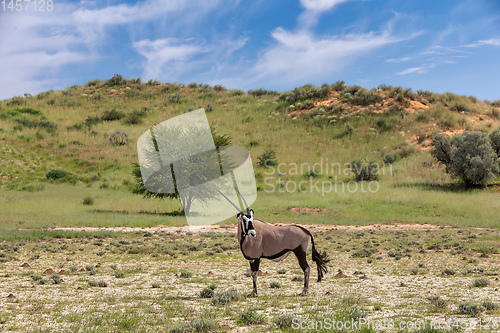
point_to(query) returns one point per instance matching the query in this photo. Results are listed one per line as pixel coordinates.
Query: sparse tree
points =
(200, 193)
(469, 157)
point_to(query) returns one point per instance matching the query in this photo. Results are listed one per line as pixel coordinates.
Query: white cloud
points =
(313, 9)
(301, 56)
(34, 47)
(490, 42)
(320, 5)
(162, 52)
(402, 59)
(418, 70)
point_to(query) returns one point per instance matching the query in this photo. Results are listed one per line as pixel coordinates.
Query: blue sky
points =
(444, 45)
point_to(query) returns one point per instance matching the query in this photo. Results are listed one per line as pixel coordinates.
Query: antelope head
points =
(246, 221)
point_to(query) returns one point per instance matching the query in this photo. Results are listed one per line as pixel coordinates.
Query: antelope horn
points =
(237, 208)
(244, 201)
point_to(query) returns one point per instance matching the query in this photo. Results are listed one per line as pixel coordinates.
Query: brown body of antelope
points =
(259, 240)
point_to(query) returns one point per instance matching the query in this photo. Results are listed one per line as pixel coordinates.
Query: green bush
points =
(112, 115)
(469, 308)
(489, 305)
(283, 321)
(195, 325)
(56, 278)
(207, 293)
(267, 159)
(119, 138)
(364, 170)
(225, 297)
(364, 253)
(481, 282)
(55, 174)
(135, 117)
(185, 273)
(275, 285)
(389, 158)
(437, 302)
(119, 274)
(448, 271)
(469, 157)
(88, 201)
(116, 80)
(250, 317)
(495, 142)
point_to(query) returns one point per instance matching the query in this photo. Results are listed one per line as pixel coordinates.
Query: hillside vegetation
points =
(80, 142)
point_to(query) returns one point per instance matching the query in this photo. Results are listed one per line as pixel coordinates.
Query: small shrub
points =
(448, 271)
(312, 173)
(437, 302)
(283, 321)
(135, 117)
(275, 285)
(225, 297)
(73, 268)
(185, 273)
(207, 293)
(195, 325)
(43, 281)
(55, 174)
(119, 274)
(119, 138)
(112, 115)
(88, 201)
(389, 158)
(364, 253)
(175, 97)
(414, 271)
(267, 159)
(56, 278)
(36, 277)
(155, 285)
(489, 305)
(116, 80)
(281, 271)
(481, 282)
(250, 317)
(92, 283)
(102, 284)
(469, 308)
(364, 170)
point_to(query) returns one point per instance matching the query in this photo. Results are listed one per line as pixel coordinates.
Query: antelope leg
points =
(301, 256)
(254, 266)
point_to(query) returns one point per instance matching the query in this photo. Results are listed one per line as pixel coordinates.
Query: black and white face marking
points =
(247, 220)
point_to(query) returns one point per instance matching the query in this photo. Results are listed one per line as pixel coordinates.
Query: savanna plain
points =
(82, 251)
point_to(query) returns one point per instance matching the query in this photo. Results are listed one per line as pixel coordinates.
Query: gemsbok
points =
(259, 240)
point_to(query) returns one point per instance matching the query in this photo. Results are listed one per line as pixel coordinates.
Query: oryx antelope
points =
(259, 240)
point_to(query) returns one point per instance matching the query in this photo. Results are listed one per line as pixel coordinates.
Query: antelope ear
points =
(251, 212)
(238, 215)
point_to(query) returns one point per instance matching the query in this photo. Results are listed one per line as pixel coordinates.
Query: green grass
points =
(408, 190)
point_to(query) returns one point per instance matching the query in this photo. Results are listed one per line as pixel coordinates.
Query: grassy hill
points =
(90, 133)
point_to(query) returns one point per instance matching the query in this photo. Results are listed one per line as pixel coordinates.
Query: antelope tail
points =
(320, 259)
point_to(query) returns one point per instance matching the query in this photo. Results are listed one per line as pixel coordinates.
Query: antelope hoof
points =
(252, 294)
(303, 293)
